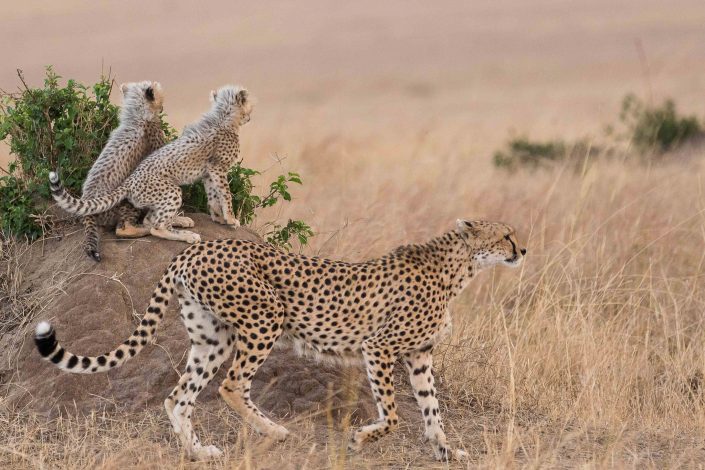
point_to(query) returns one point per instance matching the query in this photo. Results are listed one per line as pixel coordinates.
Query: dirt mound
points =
(95, 306)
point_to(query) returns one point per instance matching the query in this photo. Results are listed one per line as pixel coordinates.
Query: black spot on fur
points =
(58, 356)
(72, 362)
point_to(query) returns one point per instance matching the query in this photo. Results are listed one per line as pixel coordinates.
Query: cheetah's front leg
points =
(219, 181)
(214, 206)
(419, 365)
(379, 365)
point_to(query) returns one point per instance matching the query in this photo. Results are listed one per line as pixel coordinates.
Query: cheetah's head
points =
(234, 101)
(492, 243)
(143, 99)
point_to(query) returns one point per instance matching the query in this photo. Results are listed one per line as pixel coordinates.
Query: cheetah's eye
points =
(506, 237)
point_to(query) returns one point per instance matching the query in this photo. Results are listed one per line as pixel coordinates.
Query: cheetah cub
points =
(242, 295)
(139, 134)
(205, 151)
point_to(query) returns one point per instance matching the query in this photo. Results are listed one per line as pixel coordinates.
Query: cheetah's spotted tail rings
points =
(78, 206)
(51, 350)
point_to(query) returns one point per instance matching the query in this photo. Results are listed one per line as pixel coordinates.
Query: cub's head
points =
(142, 99)
(233, 101)
(491, 242)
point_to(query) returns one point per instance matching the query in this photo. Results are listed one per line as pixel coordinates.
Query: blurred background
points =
(377, 69)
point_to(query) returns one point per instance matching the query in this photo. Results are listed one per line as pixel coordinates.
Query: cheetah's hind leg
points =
(128, 226)
(254, 344)
(212, 343)
(161, 219)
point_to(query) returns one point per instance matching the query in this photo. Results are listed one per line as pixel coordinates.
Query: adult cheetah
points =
(244, 295)
(139, 134)
(205, 151)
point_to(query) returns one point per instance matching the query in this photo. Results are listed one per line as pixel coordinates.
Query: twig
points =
(21, 75)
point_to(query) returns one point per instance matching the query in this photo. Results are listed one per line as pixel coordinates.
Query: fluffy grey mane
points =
(223, 112)
(136, 110)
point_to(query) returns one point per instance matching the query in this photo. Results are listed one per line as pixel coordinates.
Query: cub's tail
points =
(51, 349)
(84, 206)
(92, 237)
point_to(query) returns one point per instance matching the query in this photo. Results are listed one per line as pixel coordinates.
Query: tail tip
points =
(53, 177)
(43, 329)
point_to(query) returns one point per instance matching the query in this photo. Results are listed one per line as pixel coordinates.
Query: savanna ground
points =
(591, 354)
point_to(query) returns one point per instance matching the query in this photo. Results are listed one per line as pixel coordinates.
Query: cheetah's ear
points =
(123, 88)
(466, 226)
(241, 97)
(463, 225)
(149, 93)
(214, 95)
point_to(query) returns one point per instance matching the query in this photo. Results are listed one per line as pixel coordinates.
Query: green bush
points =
(281, 236)
(47, 128)
(66, 128)
(245, 203)
(521, 152)
(658, 128)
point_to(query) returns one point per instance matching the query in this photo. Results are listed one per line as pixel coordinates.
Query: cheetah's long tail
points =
(51, 349)
(78, 206)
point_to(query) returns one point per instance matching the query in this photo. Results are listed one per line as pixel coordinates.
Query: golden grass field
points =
(591, 354)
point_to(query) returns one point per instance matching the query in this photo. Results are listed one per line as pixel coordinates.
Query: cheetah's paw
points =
(446, 454)
(191, 237)
(279, 433)
(206, 453)
(231, 220)
(185, 222)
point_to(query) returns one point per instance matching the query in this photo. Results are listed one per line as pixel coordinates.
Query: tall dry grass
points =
(590, 354)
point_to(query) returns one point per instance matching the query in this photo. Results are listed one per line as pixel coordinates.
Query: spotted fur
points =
(139, 134)
(243, 295)
(205, 151)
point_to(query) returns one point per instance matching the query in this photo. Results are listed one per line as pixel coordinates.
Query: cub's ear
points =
(123, 88)
(241, 97)
(214, 95)
(157, 87)
(149, 93)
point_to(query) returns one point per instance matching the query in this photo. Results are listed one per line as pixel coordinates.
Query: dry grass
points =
(590, 354)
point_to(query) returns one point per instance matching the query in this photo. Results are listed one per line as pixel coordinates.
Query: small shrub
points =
(657, 128)
(521, 152)
(46, 128)
(245, 203)
(281, 236)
